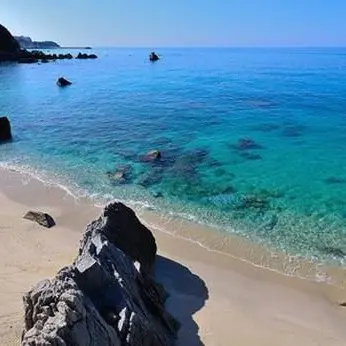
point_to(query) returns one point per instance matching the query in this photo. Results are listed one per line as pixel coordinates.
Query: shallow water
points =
(252, 140)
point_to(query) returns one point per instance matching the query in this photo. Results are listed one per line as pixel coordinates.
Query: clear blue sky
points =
(155, 23)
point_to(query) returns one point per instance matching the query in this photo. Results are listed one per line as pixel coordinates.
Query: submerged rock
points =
(107, 296)
(246, 144)
(253, 202)
(42, 219)
(153, 56)
(334, 251)
(151, 177)
(121, 175)
(157, 194)
(5, 129)
(250, 156)
(151, 156)
(293, 130)
(62, 82)
(335, 180)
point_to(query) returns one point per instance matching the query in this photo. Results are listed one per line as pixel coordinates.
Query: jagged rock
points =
(62, 82)
(42, 219)
(5, 129)
(153, 56)
(106, 297)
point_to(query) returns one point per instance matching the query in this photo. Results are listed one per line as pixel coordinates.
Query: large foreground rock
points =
(107, 297)
(5, 129)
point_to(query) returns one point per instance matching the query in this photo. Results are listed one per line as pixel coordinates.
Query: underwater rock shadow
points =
(187, 295)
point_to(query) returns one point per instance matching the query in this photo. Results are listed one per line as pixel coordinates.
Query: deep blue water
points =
(252, 140)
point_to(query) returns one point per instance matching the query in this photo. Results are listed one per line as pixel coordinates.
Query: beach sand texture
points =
(218, 299)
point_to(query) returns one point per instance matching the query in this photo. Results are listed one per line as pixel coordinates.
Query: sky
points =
(182, 23)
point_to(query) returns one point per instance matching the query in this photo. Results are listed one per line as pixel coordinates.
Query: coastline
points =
(245, 303)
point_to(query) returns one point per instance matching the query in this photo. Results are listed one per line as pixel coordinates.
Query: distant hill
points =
(28, 43)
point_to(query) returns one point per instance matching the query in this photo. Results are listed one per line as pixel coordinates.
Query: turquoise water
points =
(252, 140)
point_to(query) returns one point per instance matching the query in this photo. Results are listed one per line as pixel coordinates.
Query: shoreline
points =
(278, 309)
(210, 238)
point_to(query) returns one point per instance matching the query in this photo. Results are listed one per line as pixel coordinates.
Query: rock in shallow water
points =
(42, 219)
(62, 82)
(151, 156)
(5, 129)
(153, 56)
(107, 296)
(246, 144)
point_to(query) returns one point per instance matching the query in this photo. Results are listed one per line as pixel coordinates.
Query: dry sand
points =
(219, 300)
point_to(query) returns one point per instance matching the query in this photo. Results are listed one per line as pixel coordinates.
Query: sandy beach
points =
(218, 299)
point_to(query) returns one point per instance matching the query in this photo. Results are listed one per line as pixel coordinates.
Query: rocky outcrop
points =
(107, 296)
(153, 56)
(62, 82)
(42, 219)
(86, 56)
(5, 129)
(11, 50)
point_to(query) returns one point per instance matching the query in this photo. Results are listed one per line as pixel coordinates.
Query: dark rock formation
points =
(153, 56)
(5, 129)
(27, 60)
(9, 47)
(86, 56)
(62, 82)
(42, 219)
(151, 156)
(28, 43)
(107, 296)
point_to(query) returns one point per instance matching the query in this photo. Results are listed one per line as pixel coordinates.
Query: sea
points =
(252, 140)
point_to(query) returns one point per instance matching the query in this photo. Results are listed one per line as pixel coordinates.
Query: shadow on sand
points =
(187, 295)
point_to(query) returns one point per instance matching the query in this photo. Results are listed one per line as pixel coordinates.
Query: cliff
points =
(9, 47)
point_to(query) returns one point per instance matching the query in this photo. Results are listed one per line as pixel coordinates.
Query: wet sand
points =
(219, 299)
